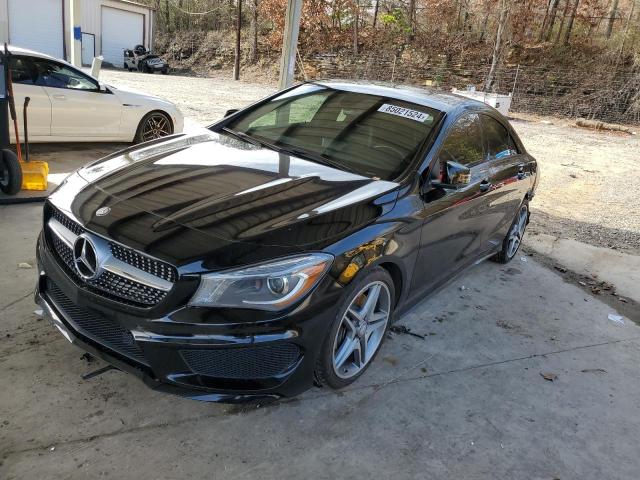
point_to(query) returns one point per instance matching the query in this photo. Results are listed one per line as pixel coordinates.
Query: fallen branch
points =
(598, 125)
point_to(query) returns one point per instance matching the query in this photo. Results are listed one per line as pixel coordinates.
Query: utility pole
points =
(236, 66)
(290, 43)
(75, 45)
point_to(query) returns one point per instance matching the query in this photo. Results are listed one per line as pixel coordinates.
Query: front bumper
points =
(158, 67)
(230, 363)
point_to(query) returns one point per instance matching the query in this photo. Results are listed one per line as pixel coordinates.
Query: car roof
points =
(32, 53)
(443, 101)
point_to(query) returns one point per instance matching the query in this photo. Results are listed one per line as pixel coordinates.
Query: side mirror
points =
(231, 111)
(458, 176)
(102, 88)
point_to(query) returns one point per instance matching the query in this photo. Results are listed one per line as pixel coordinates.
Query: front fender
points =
(389, 245)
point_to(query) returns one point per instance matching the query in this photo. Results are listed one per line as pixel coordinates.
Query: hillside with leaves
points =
(564, 47)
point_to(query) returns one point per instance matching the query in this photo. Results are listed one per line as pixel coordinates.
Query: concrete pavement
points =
(467, 402)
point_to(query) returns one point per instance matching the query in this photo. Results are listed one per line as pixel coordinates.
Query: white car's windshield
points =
(372, 135)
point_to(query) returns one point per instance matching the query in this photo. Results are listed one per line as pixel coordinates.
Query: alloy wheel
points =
(155, 126)
(361, 330)
(517, 232)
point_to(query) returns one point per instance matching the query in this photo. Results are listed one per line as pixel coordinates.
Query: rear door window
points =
(464, 143)
(499, 142)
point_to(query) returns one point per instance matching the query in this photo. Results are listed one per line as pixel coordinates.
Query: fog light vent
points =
(260, 361)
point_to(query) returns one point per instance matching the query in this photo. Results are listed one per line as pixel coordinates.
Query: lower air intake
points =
(261, 361)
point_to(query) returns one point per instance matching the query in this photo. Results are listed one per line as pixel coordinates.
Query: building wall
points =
(91, 20)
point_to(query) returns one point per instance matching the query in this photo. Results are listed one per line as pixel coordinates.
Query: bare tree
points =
(567, 32)
(612, 17)
(497, 49)
(567, 4)
(375, 13)
(356, 20)
(236, 65)
(412, 17)
(552, 19)
(254, 33)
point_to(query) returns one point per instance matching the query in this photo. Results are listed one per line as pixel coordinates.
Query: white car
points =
(67, 105)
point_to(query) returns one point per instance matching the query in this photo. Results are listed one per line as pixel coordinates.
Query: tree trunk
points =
(626, 29)
(543, 28)
(412, 16)
(483, 32)
(552, 19)
(236, 66)
(567, 32)
(254, 33)
(375, 13)
(612, 17)
(497, 49)
(564, 16)
(356, 20)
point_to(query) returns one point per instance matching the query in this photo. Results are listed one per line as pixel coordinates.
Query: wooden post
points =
(236, 65)
(290, 43)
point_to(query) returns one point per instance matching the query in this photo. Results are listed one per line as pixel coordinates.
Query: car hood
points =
(136, 97)
(221, 201)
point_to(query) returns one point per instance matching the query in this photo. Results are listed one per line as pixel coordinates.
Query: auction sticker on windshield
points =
(404, 112)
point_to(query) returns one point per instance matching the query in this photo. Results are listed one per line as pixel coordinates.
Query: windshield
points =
(368, 134)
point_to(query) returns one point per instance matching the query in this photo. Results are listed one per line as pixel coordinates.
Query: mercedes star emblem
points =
(101, 212)
(85, 258)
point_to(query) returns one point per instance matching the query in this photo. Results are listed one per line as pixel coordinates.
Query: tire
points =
(143, 134)
(335, 367)
(165, 71)
(515, 234)
(10, 173)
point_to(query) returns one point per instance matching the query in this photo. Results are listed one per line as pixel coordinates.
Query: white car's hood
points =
(130, 95)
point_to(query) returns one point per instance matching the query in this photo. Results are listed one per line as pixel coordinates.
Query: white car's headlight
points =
(268, 286)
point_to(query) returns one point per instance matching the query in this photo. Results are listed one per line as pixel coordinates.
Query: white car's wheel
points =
(153, 125)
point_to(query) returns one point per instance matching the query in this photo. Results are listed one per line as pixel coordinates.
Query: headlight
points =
(267, 286)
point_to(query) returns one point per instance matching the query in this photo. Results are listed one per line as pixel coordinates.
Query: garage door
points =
(36, 24)
(120, 29)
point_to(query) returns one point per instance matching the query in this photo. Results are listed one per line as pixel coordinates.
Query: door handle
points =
(521, 172)
(59, 97)
(485, 185)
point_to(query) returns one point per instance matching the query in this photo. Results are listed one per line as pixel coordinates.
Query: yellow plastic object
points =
(34, 175)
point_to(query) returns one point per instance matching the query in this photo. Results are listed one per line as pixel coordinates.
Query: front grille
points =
(67, 222)
(149, 265)
(108, 284)
(133, 291)
(95, 327)
(260, 361)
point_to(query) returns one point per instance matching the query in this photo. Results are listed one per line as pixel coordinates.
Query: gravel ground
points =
(589, 184)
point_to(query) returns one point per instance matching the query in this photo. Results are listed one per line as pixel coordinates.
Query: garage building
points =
(107, 27)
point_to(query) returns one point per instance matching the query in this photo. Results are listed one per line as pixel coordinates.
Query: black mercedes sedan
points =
(272, 251)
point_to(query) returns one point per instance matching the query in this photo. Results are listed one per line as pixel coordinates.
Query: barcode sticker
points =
(404, 112)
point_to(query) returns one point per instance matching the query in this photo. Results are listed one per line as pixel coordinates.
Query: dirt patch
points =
(588, 183)
(593, 287)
